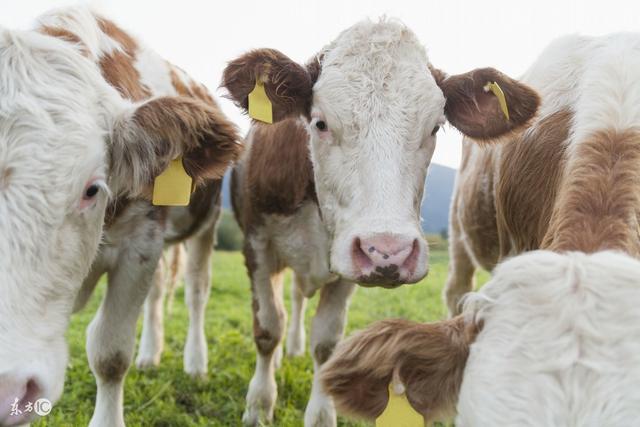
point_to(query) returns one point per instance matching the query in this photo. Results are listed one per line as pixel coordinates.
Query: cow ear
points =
(287, 84)
(146, 138)
(475, 110)
(428, 359)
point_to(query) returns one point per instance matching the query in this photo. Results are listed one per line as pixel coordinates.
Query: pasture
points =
(168, 397)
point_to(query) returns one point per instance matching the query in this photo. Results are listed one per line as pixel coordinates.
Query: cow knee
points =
(323, 351)
(112, 368)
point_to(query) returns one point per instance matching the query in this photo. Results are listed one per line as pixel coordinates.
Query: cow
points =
(552, 338)
(88, 118)
(333, 188)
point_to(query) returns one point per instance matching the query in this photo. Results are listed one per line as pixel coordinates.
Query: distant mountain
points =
(435, 206)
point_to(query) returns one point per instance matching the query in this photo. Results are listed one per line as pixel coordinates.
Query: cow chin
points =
(380, 258)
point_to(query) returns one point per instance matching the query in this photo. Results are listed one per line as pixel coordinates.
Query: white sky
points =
(201, 36)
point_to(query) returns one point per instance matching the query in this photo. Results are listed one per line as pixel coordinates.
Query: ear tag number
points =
(173, 186)
(399, 412)
(260, 107)
(497, 91)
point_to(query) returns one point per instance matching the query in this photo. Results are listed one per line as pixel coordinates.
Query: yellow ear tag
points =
(173, 186)
(259, 104)
(497, 91)
(399, 412)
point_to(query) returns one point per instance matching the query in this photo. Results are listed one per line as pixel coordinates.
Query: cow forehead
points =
(376, 71)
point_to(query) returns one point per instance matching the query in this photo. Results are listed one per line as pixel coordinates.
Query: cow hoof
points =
(261, 401)
(147, 362)
(320, 413)
(195, 365)
(295, 346)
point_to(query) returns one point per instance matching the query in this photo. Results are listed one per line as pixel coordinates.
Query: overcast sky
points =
(201, 36)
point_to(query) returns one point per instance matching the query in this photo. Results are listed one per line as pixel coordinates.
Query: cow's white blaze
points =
(379, 105)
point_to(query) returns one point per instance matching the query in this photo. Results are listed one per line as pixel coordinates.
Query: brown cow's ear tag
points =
(260, 107)
(173, 186)
(495, 88)
(399, 412)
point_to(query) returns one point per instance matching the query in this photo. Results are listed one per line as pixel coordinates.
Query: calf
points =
(552, 338)
(88, 118)
(333, 190)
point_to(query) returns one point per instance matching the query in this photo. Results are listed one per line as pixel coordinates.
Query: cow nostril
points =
(385, 256)
(371, 249)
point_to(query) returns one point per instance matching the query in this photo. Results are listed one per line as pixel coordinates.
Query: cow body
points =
(551, 339)
(333, 188)
(155, 114)
(564, 183)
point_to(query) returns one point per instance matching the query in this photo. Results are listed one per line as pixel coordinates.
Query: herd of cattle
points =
(547, 199)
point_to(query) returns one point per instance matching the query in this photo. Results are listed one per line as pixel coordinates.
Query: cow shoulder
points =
(531, 168)
(279, 173)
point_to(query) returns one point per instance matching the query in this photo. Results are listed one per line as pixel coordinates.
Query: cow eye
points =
(435, 130)
(321, 125)
(91, 192)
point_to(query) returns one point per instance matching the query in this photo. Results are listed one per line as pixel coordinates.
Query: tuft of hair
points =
(287, 84)
(428, 359)
(164, 128)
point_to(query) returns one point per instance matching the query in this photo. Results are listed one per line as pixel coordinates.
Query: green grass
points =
(168, 397)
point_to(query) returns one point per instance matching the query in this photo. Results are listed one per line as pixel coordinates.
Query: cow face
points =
(373, 109)
(550, 340)
(69, 143)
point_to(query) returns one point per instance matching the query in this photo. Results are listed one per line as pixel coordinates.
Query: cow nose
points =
(15, 396)
(385, 258)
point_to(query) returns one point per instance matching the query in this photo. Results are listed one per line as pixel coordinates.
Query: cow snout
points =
(386, 259)
(15, 396)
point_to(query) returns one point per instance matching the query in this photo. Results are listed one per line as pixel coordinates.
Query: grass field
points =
(168, 397)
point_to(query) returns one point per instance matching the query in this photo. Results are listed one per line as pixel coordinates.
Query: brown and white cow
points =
(88, 118)
(552, 339)
(333, 190)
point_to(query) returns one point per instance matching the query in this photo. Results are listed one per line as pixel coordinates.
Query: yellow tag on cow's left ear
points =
(497, 91)
(260, 107)
(173, 186)
(399, 412)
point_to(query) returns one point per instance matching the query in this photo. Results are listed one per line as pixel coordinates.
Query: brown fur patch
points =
(118, 67)
(66, 35)
(323, 351)
(531, 169)
(477, 113)
(428, 358)
(189, 87)
(202, 206)
(599, 203)
(287, 84)
(113, 368)
(279, 173)
(5, 177)
(179, 124)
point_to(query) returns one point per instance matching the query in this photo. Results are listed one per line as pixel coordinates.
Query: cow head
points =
(550, 340)
(69, 143)
(373, 108)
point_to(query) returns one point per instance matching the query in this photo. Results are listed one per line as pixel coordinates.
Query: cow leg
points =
(88, 285)
(269, 319)
(296, 334)
(461, 273)
(111, 335)
(197, 287)
(152, 338)
(326, 330)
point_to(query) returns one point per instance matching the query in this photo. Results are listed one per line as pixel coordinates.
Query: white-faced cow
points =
(553, 338)
(334, 189)
(88, 118)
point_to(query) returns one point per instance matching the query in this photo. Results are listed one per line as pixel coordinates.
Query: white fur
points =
(381, 105)
(54, 113)
(559, 346)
